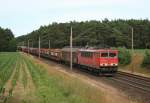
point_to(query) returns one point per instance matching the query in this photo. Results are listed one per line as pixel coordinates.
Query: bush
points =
(124, 56)
(146, 60)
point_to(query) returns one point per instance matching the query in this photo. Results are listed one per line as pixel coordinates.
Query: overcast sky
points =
(24, 16)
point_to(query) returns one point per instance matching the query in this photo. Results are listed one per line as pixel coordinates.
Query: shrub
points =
(146, 60)
(124, 56)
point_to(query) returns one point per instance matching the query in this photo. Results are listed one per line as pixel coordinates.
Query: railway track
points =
(135, 81)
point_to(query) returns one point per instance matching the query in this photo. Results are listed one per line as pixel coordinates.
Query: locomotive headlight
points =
(104, 64)
(114, 64)
(101, 64)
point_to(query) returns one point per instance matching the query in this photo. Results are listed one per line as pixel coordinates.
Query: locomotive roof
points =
(96, 50)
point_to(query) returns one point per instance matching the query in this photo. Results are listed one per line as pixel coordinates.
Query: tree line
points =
(7, 40)
(113, 33)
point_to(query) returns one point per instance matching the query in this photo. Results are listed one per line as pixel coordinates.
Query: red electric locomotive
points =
(101, 60)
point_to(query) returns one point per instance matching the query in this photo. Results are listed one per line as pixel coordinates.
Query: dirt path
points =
(111, 94)
(18, 90)
(23, 93)
(30, 88)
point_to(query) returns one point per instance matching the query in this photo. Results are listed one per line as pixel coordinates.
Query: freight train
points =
(100, 61)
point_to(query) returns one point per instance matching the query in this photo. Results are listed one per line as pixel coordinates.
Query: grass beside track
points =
(54, 87)
(33, 82)
(136, 62)
(7, 65)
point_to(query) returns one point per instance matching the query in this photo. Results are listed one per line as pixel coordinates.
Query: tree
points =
(7, 40)
(114, 33)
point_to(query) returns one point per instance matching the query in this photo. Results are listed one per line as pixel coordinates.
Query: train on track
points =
(100, 61)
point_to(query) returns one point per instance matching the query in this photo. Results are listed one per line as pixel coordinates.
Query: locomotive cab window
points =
(104, 54)
(112, 55)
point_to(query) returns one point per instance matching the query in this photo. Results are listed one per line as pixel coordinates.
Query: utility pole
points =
(71, 49)
(28, 46)
(49, 44)
(132, 47)
(39, 47)
(132, 40)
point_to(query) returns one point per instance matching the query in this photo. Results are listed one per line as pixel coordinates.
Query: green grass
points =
(16, 75)
(136, 62)
(52, 89)
(24, 79)
(50, 86)
(7, 65)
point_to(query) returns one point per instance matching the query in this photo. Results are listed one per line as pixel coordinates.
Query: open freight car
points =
(65, 55)
(55, 54)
